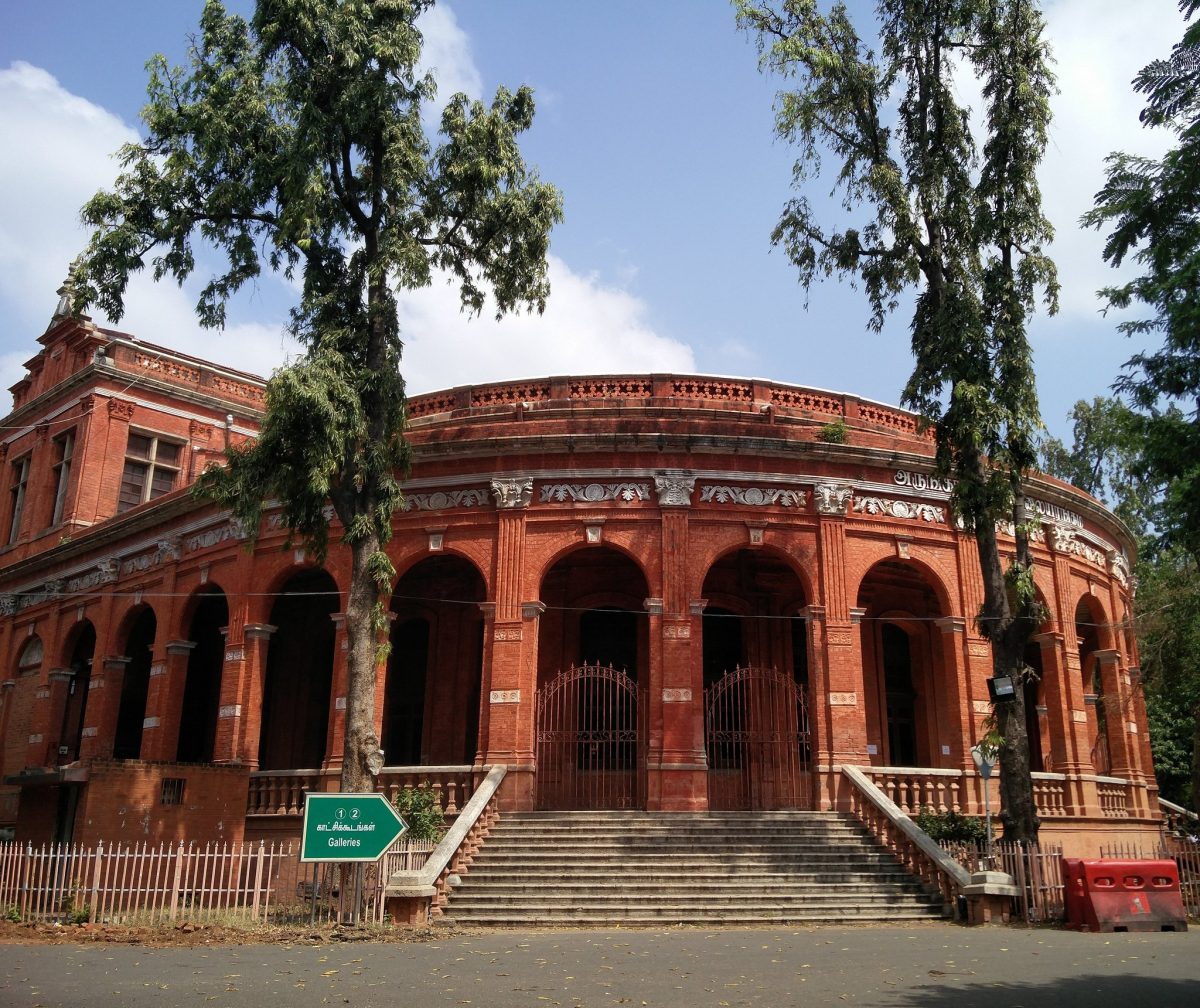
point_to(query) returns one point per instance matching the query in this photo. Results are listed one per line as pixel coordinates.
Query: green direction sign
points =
(348, 827)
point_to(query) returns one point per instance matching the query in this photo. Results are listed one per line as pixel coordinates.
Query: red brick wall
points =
(122, 802)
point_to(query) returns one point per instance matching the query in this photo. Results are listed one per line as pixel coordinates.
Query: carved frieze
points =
(1065, 541)
(832, 499)
(512, 493)
(105, 572)
(121, 409)
(442, 500)
(593, 493)
(899, 509)
(504, 696)
(752, 496)
(232, 529)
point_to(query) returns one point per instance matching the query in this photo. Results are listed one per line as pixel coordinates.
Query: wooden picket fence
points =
(1185, 854)
(1037, 871)
(162, 884)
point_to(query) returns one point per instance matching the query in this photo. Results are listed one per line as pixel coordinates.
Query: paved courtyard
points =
(930, 966)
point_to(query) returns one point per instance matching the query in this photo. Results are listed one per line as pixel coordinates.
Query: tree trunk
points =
(361, 749)
(1009, 633)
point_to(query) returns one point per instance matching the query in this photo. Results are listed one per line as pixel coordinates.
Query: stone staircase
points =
(645, 868)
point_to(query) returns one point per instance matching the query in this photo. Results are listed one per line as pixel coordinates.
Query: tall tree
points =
(1151, 209)
(294, 141)
(958, 223)
(1105, 460)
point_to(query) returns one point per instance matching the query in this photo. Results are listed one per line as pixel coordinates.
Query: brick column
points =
(955, 686)
(103, 705)
(256, 641)
(837, 642)
(48, 717)
(676, 767)
(335, 735)
(511, 638)
(164, 702)
(1063, 729)
(1116, 714)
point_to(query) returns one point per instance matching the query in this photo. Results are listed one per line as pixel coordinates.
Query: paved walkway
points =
(935, 966)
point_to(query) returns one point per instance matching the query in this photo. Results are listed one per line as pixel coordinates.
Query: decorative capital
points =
(120, 409)
(654, 606)
(832, 499)
(674, 489)
(513, 493)
(532, 610)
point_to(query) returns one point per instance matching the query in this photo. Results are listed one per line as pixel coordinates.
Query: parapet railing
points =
(915, 788)
(416, 895)
(899, 834)
(281, 792)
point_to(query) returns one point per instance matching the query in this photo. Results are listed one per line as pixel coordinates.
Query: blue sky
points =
(655, 123)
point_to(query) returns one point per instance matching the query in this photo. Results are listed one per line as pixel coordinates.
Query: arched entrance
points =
(299, 678)
(755, 684)
(202, 686)
(1089, 629)
(590, 731)
(899, 610)
(434, 674)
(135, 685)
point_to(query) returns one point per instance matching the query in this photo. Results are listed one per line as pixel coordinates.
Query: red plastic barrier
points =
(1123, 895)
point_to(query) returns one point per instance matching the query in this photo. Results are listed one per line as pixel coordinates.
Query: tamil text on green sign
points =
(348, 827)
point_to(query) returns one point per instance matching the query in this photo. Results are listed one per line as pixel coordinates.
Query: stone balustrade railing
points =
(412, 897)
(1114, 797)
(912, 789)
(915, 788)
(281, 792)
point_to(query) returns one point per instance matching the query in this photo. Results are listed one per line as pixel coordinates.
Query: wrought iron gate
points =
(757, 739)
(590, 743)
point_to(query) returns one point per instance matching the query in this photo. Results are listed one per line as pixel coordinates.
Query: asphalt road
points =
(931, 966)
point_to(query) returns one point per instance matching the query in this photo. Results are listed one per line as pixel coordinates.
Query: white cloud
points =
(588, 328)
(447, 53)
(1099, 45)
(55, 152)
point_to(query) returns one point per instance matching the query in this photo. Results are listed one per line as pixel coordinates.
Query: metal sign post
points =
(985, 760)
(348, 828)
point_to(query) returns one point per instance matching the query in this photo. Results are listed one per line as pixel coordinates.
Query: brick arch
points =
(805, 577)
(928, 573)
(593, 579)
(187, 611)
(269, 581)
(561, 550)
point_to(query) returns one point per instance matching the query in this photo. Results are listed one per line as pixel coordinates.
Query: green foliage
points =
(12, 914)
(951, 826)
(834, 433)
(959, 223)
(422, 810)
(293, 142)
(1150, 209)
(1168, 624)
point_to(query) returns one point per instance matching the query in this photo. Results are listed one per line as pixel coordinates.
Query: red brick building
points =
(656, 591)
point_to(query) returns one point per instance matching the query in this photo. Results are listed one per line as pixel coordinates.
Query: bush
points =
(951, 827)
(834, 433)
(422, 810)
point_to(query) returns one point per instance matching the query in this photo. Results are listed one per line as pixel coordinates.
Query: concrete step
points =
(632, 868)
